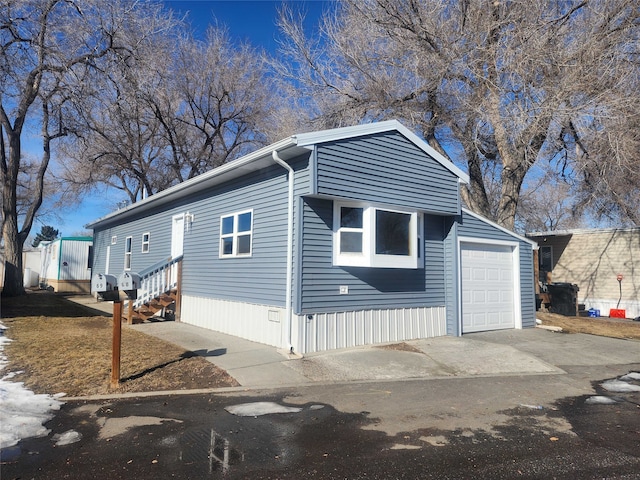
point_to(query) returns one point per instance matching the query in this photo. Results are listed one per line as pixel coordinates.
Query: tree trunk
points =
(13, 239)
(512, 178)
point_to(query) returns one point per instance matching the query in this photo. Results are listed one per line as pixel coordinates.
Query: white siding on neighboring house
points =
(65, 264)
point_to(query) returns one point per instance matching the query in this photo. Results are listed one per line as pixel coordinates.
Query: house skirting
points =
(68, 286)
(313, 332)
(328, 331)
(258, 323)
(631, 307)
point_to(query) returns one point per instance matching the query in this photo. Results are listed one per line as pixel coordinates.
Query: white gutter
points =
(288, 296)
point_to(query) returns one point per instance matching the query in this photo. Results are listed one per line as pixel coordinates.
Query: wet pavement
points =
(441, 429)
(513, 404)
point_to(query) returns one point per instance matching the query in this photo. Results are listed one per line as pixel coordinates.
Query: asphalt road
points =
(415, 429)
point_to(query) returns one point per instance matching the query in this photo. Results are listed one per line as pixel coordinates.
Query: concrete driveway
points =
(498, 353)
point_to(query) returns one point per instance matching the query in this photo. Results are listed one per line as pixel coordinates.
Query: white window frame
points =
(368, 257)
(128, 249)
(146, 243)
(235, 235)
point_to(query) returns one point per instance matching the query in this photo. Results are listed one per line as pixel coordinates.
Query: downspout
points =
(288, 295)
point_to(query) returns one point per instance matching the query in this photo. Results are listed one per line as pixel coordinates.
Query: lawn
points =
(61, 346)
(603, 326)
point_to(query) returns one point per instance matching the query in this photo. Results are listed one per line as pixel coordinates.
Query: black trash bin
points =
(564, 298)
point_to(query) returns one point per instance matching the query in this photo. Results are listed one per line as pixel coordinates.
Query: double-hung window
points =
(146, 241)
(371, 236)
(236, 233)
(128, 247)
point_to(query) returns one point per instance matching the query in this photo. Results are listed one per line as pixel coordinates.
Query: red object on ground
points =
(617, 313)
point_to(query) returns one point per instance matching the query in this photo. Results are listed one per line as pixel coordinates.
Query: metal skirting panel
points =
(258, 323)
(329, 331)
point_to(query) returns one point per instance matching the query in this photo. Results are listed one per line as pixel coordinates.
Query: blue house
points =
(325, 240)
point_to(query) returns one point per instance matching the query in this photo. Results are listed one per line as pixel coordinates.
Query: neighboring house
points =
(592, 260)
(327, 240)
(66, 264)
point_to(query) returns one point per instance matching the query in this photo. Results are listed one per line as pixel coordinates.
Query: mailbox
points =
(129, 282)
(105, 286)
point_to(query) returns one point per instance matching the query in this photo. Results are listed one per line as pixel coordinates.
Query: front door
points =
(177, 236)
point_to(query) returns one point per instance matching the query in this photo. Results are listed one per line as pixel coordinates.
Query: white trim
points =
(515, 258)
(114, 239)
(108, 260)
(147, 243)
(368, 257)
(177, 233)
(533, 243)
(128, 251)
(235, 234)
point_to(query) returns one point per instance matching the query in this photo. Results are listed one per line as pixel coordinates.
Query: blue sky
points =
(246, 20)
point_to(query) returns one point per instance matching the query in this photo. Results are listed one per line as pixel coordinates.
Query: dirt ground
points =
(61, 346)
(604, 326)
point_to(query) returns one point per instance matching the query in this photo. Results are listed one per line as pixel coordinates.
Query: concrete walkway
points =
(499, 353)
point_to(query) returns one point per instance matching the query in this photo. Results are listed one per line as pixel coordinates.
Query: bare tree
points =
(48, 48)
(509, 82)
(177, 110)
(548, 203)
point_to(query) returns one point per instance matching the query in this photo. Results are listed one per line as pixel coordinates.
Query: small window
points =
(368, 236)
(90, 257)
(351, 229)
(128, 244)
(145, 242)
(236, 232)
(114, 240)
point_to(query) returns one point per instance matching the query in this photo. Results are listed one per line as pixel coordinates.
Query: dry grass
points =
(602, 326)
(66, 347)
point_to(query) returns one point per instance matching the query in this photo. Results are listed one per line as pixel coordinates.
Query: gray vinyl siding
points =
(451, 277)
(369, 288)
(386, 168)
(470, 226)
(257, 279)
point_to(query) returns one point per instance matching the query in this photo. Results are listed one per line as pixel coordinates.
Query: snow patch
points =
(631, 376)
(600, 400)
(255, 409)
(67, 438)
(619, 386)
(22, 412)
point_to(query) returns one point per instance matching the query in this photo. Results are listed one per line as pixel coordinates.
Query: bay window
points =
(370, 236)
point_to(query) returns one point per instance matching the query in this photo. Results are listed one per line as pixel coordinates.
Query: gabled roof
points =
(287, 149)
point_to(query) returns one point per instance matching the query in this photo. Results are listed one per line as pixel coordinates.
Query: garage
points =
(488, 287)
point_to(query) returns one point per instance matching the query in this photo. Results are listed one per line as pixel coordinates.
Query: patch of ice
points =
(402, 446)
(255, 409)
(67, 438)
(436, 440)
(631, 376)
(619, 386)
(316, 407)
(600, 400)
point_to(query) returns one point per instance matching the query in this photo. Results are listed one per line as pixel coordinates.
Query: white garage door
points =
(487, 287)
